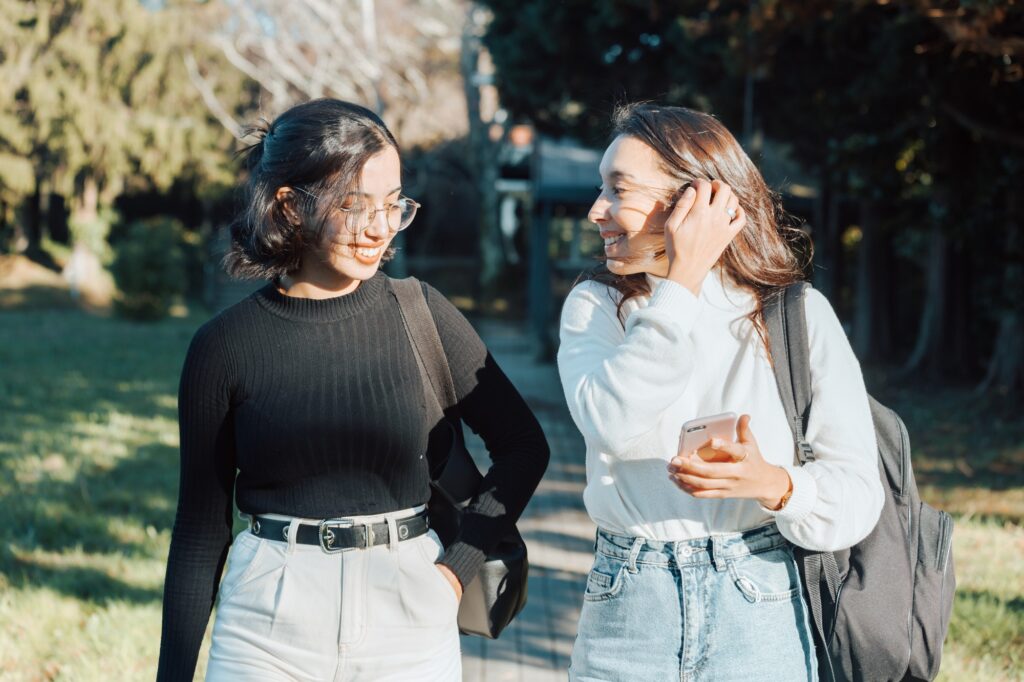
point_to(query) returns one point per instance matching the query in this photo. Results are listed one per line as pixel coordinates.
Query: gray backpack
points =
(881, 608)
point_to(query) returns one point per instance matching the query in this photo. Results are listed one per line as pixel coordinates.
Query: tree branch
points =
(210, 98)
(983, 129)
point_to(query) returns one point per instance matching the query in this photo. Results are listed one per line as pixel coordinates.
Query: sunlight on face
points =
(357, 256)
(632, 208)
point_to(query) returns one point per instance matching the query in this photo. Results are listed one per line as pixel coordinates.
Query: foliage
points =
(397, 57)
(150, 268)
(910, 108)
(92, 231)
(94, 96)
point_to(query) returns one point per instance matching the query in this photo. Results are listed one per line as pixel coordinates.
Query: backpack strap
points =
(426, 343)
(786, 320)
(458, 479)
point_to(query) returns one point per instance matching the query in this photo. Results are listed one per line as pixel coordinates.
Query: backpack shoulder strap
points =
(786, 321)
(424, 338)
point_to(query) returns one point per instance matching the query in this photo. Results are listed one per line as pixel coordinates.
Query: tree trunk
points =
(86, 208)
(934, 303)
(6, 238)
(957, 356)
(87, 234)
(34, 219)
(864, 294)
(57, 219)
(1006, 367)
(828, 253)
(884, 287)
(484, 159)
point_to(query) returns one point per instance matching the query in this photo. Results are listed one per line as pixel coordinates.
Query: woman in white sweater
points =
(694, 576)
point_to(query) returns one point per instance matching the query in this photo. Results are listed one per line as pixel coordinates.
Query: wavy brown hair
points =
(763, 258)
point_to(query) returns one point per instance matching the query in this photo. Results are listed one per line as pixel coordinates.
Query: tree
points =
(476, 66)
(100, 99)
(397, 57)
(909, 110)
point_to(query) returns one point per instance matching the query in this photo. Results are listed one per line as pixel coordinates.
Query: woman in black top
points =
(304, 401)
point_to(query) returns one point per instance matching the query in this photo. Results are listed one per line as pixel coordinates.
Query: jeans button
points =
(685, 551)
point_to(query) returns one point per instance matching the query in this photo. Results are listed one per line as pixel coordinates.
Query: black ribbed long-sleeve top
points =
(314, 408)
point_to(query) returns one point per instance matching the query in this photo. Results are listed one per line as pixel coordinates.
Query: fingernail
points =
(689, 190)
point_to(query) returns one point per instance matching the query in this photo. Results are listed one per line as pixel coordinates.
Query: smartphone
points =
(697, 433)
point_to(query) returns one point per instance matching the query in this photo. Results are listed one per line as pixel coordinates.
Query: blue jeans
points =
(724, 607)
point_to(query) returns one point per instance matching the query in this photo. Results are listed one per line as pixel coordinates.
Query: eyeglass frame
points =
(372, 212)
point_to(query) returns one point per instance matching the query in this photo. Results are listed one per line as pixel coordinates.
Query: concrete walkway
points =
(560, 535)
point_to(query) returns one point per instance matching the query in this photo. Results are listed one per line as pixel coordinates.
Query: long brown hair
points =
(763, 257)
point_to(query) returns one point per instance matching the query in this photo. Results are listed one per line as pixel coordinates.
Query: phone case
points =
(696, 433)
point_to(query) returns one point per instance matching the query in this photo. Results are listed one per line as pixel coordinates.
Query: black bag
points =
(881, 608)
(498, 593)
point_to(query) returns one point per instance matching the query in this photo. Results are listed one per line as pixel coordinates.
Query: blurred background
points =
(893, 130)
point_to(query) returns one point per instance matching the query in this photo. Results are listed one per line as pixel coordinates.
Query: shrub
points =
(149, 268)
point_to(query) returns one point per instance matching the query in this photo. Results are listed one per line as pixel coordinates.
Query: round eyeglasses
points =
(360, 215)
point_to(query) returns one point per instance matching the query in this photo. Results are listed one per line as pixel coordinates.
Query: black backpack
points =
(881, 608)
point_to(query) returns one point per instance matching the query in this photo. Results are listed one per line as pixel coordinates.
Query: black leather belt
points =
(337, 535)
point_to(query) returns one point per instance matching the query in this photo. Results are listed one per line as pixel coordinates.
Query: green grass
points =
(88, 484)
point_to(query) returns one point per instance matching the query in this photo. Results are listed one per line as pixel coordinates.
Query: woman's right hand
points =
(699, 229)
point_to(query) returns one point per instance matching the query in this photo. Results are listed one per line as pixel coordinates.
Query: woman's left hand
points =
(727, 470)
(450, 577)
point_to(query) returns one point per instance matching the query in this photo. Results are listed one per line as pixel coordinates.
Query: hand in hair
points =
(727, 470)
(702, 224)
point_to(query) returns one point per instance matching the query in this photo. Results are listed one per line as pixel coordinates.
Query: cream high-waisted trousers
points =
(287, 611)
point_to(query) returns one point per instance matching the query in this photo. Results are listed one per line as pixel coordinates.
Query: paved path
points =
(560, 535)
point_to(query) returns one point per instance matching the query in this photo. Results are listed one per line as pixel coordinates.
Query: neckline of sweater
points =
(366, 296)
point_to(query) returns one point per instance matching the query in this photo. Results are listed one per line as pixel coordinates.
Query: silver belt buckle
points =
(327, 537)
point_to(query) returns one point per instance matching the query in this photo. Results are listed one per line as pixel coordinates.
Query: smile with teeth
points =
(608, 241)
(366, 252)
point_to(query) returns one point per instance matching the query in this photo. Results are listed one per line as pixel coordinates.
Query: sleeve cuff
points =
(464, 560)
(675, 302)
(675, 296)
(801, 502)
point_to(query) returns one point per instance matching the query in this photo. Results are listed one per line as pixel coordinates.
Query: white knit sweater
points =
(681, 357)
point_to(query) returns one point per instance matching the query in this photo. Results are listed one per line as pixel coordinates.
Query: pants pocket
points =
(431, 584)
(605, 578)
(769, 576)
(243, 562)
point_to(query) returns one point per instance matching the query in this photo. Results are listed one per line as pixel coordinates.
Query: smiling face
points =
(635, 201)
(357, 255)
(630, 212)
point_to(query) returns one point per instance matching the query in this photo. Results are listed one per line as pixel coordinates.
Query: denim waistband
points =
(711, 549)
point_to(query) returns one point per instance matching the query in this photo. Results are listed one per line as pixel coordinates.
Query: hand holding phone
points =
(743, 473)
(696, 434)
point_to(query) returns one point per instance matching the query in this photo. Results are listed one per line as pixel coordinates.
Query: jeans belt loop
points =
(634, 553)
(718, 559)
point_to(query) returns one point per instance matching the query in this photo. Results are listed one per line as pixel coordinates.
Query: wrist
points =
(688, 277)
(779, 490)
